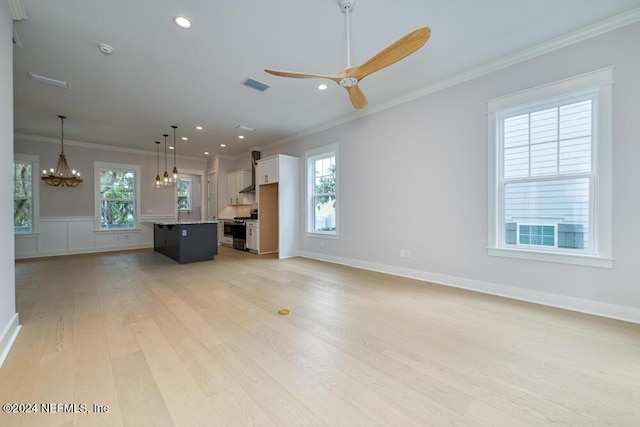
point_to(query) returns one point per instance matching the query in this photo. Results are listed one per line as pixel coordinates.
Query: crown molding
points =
(18, 11)
(35, 138)
(585, 33)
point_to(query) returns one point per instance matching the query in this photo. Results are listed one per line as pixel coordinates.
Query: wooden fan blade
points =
(304, 75)
(358, 100)
(401, 48)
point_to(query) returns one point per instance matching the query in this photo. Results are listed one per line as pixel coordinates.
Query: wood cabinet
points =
(236, 181)
(267, 171)
(278, 205)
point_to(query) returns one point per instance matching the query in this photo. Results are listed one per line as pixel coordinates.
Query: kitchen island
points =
(186, 241)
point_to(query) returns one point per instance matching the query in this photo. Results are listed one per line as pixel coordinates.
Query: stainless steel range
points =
(237, 230)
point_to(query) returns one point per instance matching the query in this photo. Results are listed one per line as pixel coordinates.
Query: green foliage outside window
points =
(22, 197)
(324, 194)
(326, 186)
(184, 195)
(117, 199)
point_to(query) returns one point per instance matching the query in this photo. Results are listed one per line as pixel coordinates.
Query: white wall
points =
(9, 326)
(415, 177)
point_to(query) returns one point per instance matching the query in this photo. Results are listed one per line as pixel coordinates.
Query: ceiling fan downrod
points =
(347, 7)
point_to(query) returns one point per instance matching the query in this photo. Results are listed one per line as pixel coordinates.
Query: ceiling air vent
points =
(254, 84)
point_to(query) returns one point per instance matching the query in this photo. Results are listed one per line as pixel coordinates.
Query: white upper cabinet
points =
(237, 181)
(267, 171)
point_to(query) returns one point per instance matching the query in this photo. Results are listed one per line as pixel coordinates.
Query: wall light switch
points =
(184, 233)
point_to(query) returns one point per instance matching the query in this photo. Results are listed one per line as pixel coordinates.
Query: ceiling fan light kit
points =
(351, 76)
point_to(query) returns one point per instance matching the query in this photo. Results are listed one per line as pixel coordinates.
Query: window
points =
(184, 194)
(551, 172)
(322, 185)
(117, 195)
(25, 194)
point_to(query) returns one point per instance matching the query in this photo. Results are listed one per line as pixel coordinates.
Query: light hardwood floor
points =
(202, 344)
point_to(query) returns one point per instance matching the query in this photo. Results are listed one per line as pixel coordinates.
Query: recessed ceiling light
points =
(223, 145)
(240, 136)
(182, 22)
(199, 128)
(184, 138)
(171, 148)
(322, 86)
(105, 48)
(206, 152)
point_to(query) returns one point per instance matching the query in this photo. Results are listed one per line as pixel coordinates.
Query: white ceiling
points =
(160, 75)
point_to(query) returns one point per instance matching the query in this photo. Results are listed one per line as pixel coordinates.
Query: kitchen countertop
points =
(183, 222)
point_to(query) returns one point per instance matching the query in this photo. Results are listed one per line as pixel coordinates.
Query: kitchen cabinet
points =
(278, 205)
(267, 171)
(253, 236)
(186, 241)
(236, 181)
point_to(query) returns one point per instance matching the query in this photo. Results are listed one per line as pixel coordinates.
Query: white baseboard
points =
(8, 337)
(628, 314)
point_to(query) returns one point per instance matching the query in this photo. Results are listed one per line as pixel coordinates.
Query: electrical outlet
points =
(184, 233)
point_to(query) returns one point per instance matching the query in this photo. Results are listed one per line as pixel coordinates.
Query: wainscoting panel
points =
(53, 236)
(77, 235)
(26, 245)
(81, 234)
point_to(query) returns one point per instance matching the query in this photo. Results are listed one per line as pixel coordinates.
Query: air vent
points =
(254, 84)
(245, 128)
(48, 80)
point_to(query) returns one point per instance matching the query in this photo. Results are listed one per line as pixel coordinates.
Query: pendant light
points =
(175, 148)
(166, 180)
(158, 182)
(62, 175)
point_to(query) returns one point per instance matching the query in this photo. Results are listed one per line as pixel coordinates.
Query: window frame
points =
(35, 191)
(599, 84)
(331, 150)
(123, 168)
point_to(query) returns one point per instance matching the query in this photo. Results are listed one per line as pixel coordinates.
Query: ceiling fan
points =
(351, 76)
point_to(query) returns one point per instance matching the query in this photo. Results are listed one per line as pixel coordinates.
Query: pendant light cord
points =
(175, 147)
(165, 153)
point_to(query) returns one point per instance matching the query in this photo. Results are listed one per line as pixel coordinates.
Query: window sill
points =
(32, 234)
(563, 258)
(119, 230)
(317, 235)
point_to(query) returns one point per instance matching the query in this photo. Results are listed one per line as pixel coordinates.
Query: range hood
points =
(255, 156)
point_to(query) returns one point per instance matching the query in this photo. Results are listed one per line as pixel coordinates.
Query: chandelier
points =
(62, 175)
